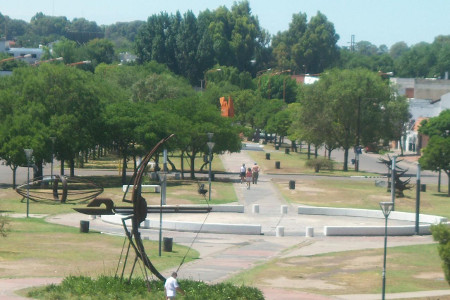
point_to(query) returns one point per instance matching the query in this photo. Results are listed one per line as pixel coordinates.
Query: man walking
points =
(171, 287)
(255, 173)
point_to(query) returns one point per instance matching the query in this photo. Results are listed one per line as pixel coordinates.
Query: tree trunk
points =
(182, 164)
(192, 157)
(448, 185)
(72, 167)
(62, 166)
(309, 151)
(14, 169)
(316, 152)
(401, 147)
(345, 159)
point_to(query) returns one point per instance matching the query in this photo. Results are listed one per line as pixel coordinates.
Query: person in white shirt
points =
(171, 287)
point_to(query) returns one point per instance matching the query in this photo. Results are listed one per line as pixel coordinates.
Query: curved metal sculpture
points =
(62, 189)
(137, 213)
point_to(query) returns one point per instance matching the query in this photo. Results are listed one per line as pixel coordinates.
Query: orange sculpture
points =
(227, 107)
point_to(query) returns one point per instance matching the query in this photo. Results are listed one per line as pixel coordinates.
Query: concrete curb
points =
(424, 229)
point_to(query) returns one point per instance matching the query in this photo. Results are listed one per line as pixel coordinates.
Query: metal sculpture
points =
(60, 189)
(136, 214)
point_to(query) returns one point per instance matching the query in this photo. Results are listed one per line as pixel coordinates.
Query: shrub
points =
(441, 234)
(320, 163)
(107, 287)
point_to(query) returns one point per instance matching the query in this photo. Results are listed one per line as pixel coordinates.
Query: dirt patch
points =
(429, 275)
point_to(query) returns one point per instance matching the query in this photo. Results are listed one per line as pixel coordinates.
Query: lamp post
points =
(417, 200)
(28, 154)
(210, 146)
(386, 208)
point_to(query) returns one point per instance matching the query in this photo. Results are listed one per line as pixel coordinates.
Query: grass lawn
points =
(34, 248)
(410, 268)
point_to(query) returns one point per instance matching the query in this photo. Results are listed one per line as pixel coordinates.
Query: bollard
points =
(146, 224)
(255, 208)
(84, 226)
(277, 165)
(286, 150)
(280, 231)
(292, 184)
(284, 209)
(309, 231)
(268, 156)
(167, 244)
(423, 187)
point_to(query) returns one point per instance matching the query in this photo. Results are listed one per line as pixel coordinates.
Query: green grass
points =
(36, 248)
(409, 268)
(295, 163)
(105, 288)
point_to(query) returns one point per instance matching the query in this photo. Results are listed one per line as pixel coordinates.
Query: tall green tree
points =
(436, 155)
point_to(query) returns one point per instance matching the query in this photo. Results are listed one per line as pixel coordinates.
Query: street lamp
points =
(386, 208)
(28, 154)
(210, 146)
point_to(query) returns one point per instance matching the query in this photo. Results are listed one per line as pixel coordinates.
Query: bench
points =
(154, 188)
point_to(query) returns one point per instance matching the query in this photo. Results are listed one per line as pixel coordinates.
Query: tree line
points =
(190, 45)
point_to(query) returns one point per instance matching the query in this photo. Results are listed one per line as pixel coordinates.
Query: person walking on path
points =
(248, 177)
(255, 173)
(171, 287)
(242, 173)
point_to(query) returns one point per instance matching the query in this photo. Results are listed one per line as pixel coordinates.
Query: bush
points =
(320, 164)
(441, 234)
(107, 287)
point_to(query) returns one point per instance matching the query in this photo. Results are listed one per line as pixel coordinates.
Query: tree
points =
(353, 100)
(436, 155)
(396, 119)
(441, 234)
(197, 118)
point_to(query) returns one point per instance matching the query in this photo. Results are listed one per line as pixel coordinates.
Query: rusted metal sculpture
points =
(136, 214)
(60, 189)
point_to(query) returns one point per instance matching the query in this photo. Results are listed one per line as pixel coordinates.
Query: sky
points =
(380, 22)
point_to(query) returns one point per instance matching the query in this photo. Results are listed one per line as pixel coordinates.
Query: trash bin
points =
(167, 244)
(286, 150)
(292, 184)
(84, 226)
(277, 147)
(277, 165)
(212, 177)
(423, 187)
(268, 156)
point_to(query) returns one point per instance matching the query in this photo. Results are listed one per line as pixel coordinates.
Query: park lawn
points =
(409, 268)
(294, 163)
(36, 248)
(361, 193)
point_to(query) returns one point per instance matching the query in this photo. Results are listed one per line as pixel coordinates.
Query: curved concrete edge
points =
(372, 230)
(244, 229)
(369, 213)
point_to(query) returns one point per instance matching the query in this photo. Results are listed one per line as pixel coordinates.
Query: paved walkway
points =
(223, 255)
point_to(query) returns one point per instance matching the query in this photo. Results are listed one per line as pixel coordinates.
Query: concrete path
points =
(223, 255)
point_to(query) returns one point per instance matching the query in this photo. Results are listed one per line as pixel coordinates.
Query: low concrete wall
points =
(206, 228)
(372, 230)
(368, 213)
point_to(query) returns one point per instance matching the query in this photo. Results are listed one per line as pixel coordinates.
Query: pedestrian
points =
(242, 173)
(171, 287)
(248, 177)
(255, 173)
